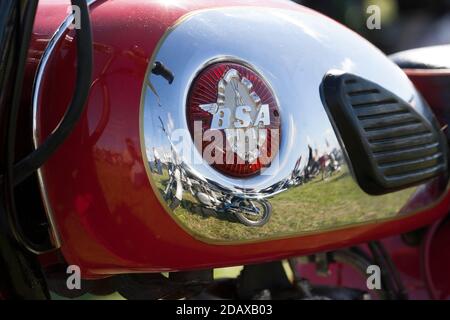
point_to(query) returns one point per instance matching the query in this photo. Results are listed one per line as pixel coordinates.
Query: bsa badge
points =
(236, 115)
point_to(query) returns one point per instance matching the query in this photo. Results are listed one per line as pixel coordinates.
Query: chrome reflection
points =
(319, 168)
(194, 198)
(252, 211)
(309, 186)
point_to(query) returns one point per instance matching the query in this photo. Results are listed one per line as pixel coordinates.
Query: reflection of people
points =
(133, 159)
(312, 166)
(296, 170)
(157, 161)
(323, 161)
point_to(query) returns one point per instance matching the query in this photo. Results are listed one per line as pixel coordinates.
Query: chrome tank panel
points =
(292, 51)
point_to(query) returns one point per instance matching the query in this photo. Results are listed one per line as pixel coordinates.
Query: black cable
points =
(401, 290)
(389, 272)
(25, 31)
(14, 174)
(38, 157)
(360, 261)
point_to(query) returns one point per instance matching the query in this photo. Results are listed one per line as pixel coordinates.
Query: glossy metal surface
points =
(107, 214)
(309, 185)
(62, 29)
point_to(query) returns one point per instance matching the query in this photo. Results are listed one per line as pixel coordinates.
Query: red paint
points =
(107, 215)
(423, 268)
(434, 86)
(435, 260)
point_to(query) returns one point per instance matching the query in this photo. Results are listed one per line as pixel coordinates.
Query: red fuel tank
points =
(131, 190)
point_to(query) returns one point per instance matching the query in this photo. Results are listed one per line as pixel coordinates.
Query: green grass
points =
(315, 206)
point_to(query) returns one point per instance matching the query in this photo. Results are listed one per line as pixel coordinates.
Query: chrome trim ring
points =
(54, 40)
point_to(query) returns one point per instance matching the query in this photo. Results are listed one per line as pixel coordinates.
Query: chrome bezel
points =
(169, 100)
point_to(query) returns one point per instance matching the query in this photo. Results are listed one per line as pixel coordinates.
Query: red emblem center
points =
(234, 119)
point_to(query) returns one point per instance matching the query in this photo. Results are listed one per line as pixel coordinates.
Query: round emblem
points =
(234, 119)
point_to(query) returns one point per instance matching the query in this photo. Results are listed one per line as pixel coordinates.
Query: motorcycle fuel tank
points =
(222, 133)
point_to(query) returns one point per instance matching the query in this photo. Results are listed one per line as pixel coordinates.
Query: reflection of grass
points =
(231, 272)
(315, 206)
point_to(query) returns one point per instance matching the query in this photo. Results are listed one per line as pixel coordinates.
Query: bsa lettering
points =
(234, 112)
(239, 112)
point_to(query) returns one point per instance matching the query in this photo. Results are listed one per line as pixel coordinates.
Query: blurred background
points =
(405, 24)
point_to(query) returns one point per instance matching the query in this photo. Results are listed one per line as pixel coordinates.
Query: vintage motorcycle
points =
(250, 212)
(251, 93)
